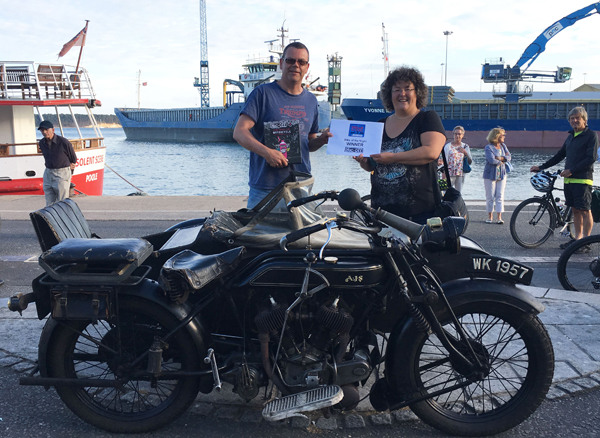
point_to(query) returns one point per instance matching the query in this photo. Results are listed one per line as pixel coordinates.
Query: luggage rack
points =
(74, 274)
(96, 261)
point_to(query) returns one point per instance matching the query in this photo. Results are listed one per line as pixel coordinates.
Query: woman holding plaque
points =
(404, 174)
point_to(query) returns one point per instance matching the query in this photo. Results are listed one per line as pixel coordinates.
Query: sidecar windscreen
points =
(270, 220)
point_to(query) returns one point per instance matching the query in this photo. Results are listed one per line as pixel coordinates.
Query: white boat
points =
(29, 86)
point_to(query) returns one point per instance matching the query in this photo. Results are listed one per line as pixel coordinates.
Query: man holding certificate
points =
(279, 125)
(404, 174)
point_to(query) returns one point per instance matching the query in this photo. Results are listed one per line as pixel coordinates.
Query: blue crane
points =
(497, 72)
(202, 82)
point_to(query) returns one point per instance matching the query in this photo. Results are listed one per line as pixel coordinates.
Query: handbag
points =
(466, 165)
(508, 165)
(452, 203)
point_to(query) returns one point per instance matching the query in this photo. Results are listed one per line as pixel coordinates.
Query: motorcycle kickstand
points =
(210, 359)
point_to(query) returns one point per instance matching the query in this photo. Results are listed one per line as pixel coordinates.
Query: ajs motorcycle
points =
(340, 303)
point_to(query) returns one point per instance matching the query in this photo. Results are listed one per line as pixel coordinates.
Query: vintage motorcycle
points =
(307, 313)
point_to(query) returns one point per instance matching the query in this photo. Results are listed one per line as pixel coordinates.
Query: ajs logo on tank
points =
(356, 130)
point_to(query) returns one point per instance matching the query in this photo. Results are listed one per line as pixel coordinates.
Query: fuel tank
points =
(341, 272)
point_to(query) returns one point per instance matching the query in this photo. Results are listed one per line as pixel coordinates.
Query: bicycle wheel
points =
(83, 350)
(532, 222)
(580, 270)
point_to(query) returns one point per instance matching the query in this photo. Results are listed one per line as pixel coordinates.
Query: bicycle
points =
(578, 267)
(535, 219)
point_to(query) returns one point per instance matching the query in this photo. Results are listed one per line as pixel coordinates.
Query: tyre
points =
(532, 223)
(580, 271)
(519, 363)
(80, 349)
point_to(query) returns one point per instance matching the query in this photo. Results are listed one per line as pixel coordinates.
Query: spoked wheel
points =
(532, 223)
(517, 364)
(82, 350)
(579, 265)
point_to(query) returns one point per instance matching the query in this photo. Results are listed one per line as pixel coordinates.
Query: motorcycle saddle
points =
(188, 270)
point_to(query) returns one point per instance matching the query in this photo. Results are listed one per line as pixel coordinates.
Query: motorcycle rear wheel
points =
(139, 406)
(519, 351)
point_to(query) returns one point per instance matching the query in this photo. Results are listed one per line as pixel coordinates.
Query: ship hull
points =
(520, 133)
(88, 176)
(190, 125)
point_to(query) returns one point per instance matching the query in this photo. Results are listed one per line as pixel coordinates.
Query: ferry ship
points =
(537, 121)
(25, 86)
(216, 124)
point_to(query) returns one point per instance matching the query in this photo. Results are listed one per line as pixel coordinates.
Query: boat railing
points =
(20, 80)
(262, 60)
(16, 149)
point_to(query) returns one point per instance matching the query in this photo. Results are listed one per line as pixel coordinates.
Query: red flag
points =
(144, 83)
(77, 40)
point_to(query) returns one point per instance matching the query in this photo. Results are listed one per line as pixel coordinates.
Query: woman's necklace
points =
(405, 117)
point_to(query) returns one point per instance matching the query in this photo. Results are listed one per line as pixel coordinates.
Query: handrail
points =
(78, 144)
(26, 80)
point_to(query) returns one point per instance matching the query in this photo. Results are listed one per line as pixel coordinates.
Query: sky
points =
(162, 40)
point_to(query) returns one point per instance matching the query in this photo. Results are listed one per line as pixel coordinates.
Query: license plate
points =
(498, 267)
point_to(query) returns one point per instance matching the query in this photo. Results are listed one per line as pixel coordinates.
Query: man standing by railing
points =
(60, 160)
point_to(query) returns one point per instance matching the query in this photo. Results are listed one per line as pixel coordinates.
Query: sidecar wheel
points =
(515, 345)
(77, 351)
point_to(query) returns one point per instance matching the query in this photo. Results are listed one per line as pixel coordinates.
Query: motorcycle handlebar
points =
(323, 195)
(405, 226)
(296, 235)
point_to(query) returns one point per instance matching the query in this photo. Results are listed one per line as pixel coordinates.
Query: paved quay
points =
(571, 318)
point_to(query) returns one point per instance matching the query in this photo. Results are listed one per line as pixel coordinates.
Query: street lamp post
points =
(447, 33)
(442, 74)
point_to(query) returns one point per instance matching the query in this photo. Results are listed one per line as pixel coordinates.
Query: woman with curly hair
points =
(404, 174)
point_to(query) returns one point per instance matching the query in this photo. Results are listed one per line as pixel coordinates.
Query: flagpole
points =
(139, 85)
(81, 50)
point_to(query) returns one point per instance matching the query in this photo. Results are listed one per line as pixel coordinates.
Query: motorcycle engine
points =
(314, 345)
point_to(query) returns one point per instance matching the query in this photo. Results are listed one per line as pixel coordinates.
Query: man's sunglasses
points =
(292, 61)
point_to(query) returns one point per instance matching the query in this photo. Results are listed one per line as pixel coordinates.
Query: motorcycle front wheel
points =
(514, 345)
(82, 350)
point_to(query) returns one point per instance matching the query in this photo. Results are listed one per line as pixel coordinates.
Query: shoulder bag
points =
(452, 204)
(466, 165)
(508, 164)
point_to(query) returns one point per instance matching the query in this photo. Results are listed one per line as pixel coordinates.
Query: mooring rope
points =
(138, 189)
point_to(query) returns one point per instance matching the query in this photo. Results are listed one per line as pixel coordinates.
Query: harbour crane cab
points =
(496, 71)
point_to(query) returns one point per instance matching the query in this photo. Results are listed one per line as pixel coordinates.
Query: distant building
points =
(588, 87)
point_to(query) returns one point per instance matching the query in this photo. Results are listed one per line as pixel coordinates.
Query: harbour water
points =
(221, 169)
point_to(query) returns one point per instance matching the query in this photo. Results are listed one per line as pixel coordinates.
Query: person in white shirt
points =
(455, 152)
